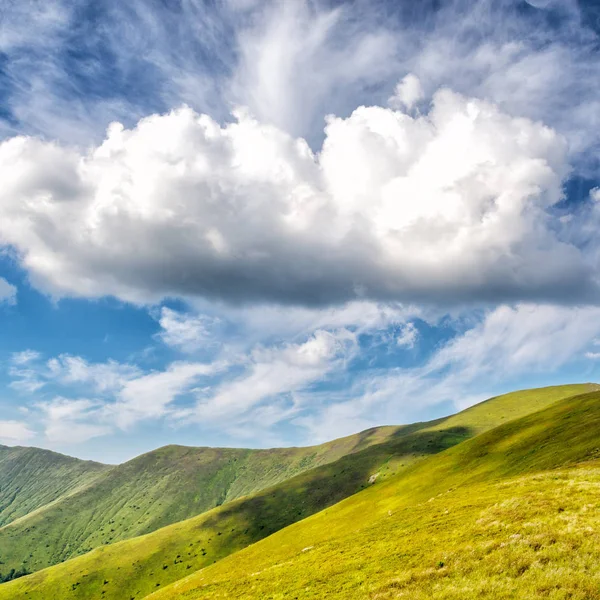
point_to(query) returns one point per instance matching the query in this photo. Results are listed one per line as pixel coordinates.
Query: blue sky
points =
(250, 223)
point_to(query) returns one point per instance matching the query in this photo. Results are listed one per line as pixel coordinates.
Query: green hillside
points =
(134, 568)
(149, 492)
(31, 478)
(489, 518)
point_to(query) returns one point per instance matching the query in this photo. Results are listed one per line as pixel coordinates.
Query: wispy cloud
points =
(506, 344)
(15, 432)
(8, 292)
(187, 332)
(273, 375)
(24, 357)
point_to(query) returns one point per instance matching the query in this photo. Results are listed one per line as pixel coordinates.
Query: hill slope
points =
(487, 518)
(153, 490)
(134, 568)
(31, 478)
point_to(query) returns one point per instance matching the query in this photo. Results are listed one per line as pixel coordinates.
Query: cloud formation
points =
(186, 332)
(350, 192)
(15, 432)
(504, 345)
(8, 292)
(449, 206)
(271, 378)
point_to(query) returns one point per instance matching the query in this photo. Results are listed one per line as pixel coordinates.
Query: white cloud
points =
(24, 357)
(25, 380)
(521, 339)
(292, 63)
(8, 292)
(15, 432)
(508, 343)
(408, 335)
(310, 383)
(449, 206)
(273, 375)
(68, 421)
(299, 62)
(117, 395)
(31, 375)
(407, 93)
(151, 396)
(99, 377)
(185, 331)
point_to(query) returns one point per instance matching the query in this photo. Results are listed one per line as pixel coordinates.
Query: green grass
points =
(487, 518)
(65, 518)
(526, 537)
(31, 478)
(133, 568)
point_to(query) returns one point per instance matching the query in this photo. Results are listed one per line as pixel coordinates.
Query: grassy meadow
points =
(513, 513)
(142, 565)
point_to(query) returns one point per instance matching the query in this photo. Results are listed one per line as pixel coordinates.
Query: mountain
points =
(70, 516)
(31, 478)
(512, 513)
(133, 568)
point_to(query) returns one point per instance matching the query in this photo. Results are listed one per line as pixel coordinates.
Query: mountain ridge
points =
(234, 525)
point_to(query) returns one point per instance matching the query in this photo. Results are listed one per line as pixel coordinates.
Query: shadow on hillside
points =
(312, 491)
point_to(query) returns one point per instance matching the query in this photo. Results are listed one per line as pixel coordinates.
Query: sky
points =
(261, 223)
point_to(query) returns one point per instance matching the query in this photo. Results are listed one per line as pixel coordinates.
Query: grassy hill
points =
(488, 518)
(135, 568)
(31, 478)
(149, 492)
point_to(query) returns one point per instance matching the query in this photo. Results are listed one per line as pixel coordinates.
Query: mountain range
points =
(499, 500)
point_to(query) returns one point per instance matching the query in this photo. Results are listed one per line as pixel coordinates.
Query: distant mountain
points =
(31, 478)
(68, 507)
(133, 568)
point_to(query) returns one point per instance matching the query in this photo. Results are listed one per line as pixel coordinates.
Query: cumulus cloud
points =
(15, 432)
(407, 93)
(300, 237)
(452, 205)
(293, 63)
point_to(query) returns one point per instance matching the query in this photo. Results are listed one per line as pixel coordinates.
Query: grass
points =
(487, 518)
(61, 516)
(137, 567)
(526, 537)
(31, 478)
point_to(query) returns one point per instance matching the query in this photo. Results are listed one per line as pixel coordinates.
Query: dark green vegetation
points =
(137, 567)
